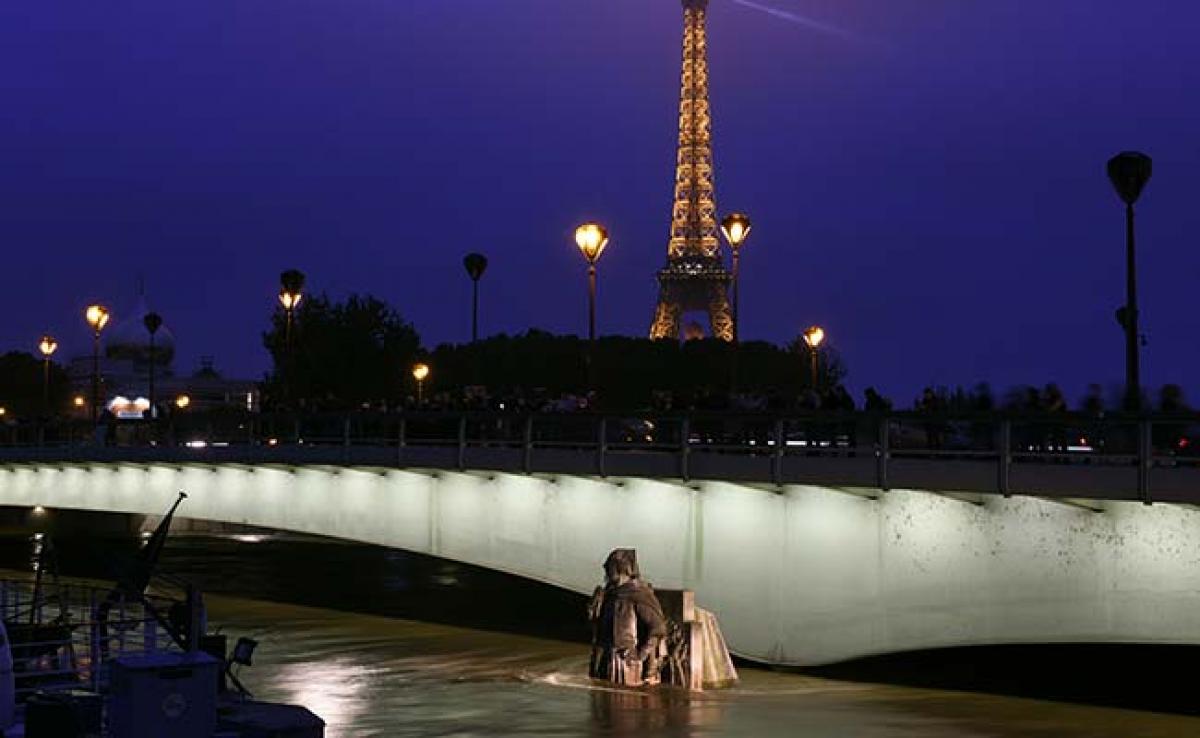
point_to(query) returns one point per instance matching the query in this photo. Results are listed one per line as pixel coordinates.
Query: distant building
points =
(125, 360)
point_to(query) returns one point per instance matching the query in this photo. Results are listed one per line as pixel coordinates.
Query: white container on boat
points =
(163, 694)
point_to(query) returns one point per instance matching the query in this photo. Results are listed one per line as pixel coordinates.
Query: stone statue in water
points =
(640, 637)
(628, 625)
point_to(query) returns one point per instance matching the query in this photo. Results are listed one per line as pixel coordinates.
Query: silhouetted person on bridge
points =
(1054, 404)
(1171, 437)
(873, 402)
(931, 404)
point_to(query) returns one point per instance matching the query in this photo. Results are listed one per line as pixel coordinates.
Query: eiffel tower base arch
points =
(676, 298)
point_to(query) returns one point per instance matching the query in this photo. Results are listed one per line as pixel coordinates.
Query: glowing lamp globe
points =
(48, 346)
(97, 317)
(736, 227)
(591, 239)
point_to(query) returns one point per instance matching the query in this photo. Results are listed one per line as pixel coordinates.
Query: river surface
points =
(382, 643)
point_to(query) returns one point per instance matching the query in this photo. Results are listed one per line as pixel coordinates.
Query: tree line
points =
(359, 353)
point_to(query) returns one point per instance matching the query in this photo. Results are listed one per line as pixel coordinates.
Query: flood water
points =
(383, 643)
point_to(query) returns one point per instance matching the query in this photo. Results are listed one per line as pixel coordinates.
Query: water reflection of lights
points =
(335, 689)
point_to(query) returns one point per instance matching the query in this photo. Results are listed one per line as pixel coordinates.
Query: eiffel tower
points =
(695, 278)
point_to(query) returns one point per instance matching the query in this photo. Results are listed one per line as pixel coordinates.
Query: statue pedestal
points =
(697, 657)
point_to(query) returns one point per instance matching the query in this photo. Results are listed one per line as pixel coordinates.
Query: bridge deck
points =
(1123, 458)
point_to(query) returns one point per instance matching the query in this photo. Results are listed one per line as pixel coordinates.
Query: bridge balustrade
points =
(1112, 456)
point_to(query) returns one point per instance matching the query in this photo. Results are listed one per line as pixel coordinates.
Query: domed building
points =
(126, 356)
(129, 340)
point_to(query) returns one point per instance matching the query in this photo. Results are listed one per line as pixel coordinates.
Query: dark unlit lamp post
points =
(475, 264)
(1129, 172)
(813, 337)
(736, 227)
(591, 238)
(97, 317)
(152, 321)
(47, 346)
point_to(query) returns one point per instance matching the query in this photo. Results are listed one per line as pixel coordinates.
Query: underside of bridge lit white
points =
(804, 575)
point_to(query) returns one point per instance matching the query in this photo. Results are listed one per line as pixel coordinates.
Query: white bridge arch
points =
(802, 575)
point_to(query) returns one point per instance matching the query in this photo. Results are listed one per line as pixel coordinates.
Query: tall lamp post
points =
(152, 321)
(736, 227)
(813, 337)
(475, 264)
(97, 317)
(47, 346)
(1129, 171)
(291, 291)
(420, 372)
(591, 238)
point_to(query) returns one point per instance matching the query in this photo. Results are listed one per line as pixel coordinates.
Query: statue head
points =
(621, 566)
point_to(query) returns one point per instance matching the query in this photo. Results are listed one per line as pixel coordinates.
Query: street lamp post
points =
(152, 321)
(420, 372)
(475, 264)
(47, 346)
(291, 291)
(591, 238)
(1129, 171)
(736, 227)
(813, 337)
(97, 317)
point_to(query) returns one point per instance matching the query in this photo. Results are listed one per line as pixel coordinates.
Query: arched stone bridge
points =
(799, 574)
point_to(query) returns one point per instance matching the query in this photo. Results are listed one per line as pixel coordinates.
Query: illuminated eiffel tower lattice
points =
(695, 278)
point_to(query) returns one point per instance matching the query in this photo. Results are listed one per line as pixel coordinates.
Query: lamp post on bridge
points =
(97, 317)
(1129, 172)
(291, 291)
(591, 238)
(736, 227)
(420, 372)
(475, 264)
(47, 346)
(813, 337)
(152, 321)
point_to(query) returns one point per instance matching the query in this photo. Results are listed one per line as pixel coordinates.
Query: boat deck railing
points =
(56, 636)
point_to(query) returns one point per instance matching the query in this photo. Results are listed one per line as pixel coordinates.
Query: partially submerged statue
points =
(636, 641)
(628, 625)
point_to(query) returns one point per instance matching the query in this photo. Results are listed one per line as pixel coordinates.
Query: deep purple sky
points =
(929, 187)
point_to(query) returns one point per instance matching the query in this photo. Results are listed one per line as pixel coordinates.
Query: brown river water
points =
(375, 676)
(384, 643)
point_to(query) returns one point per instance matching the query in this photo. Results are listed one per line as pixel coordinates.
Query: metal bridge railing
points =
(1117, 456)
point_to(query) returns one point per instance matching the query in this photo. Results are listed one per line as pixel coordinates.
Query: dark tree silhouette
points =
(632, 373)
(21, 377)
(344, 353)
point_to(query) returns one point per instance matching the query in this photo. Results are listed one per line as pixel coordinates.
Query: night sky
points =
(926, 177)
